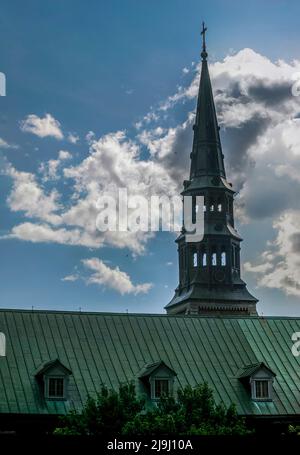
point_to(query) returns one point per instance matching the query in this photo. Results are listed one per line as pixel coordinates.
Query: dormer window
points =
(56, 387)
(260, 378)
(161, 387)
(261, 389)
(53, 378)
(157, 380)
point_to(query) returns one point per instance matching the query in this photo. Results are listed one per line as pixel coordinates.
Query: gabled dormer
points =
(258, 378)
(53, 378)
(158, 379)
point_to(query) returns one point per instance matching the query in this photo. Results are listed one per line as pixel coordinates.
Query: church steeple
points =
(207, 156)
(209, 270)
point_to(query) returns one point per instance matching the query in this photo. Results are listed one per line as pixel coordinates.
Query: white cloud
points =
(73, 138)
(260, 123)
(113, 278)
(280, 263)
(114, 162)
(36, 233)
(29, 197)
(6, 145)
(71, 278)
(42, 126)
(64, 155)
(49, 169)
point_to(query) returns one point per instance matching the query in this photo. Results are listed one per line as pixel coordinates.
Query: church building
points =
(50, 361)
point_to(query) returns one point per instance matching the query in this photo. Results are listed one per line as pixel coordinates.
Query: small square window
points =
(56, 388)
(161, 387)
(262, 389)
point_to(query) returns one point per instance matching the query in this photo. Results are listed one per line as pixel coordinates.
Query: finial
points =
(203, 53)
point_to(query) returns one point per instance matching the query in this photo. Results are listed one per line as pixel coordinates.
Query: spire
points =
(207, 156)
(210, 280)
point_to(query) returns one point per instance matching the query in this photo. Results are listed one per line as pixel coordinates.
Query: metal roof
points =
(111, 348)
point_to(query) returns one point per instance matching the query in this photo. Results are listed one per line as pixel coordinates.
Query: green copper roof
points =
(112, 348)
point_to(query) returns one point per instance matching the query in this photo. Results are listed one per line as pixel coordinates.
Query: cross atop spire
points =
(203, 31)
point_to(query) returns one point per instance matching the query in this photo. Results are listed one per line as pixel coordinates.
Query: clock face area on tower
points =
(209, 270)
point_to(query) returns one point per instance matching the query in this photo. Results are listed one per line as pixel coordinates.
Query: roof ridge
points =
(111, 313)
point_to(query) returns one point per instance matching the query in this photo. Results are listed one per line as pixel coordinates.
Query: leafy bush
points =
(194, 412)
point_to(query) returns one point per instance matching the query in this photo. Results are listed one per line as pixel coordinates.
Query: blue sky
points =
(102, 67)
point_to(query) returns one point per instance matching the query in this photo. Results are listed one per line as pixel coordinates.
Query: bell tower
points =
(209, 270)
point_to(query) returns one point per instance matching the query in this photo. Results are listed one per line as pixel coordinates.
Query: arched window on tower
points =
(195, 259)
(214, 257)
(193, 209)
(212, 207)
(204, 259)
(223, 258)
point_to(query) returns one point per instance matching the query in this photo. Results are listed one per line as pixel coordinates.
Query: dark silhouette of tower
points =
(209, 270)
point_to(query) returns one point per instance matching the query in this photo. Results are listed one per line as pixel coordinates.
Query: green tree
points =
(194, 412)
(104, 415)
(120, 413)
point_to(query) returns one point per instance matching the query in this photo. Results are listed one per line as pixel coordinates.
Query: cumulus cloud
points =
(28, 196)
(72, 278)
(6, 145)
(49, 169)
(114, 162)
(36, 233)
(73, 138)
(113, 278)
(259, 121)
(46, 126)
(279, 266)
